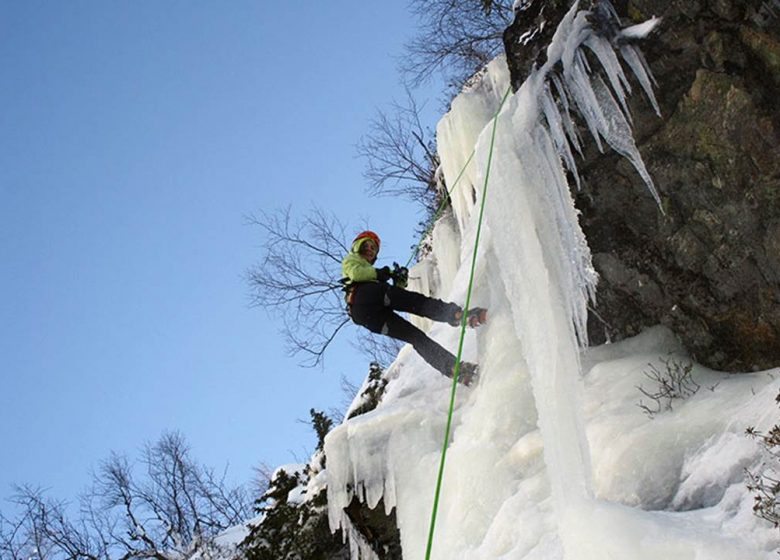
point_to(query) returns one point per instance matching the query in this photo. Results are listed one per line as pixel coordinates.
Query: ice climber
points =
(372, 303)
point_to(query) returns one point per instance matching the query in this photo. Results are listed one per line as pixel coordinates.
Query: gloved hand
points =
(400, 276)
(383, 274)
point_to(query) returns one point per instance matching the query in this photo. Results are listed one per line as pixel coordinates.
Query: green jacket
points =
(356, 268)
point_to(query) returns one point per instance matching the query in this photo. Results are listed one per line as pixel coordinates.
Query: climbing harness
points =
(464, 320)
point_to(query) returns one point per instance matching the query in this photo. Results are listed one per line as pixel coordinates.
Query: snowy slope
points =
(551, 456)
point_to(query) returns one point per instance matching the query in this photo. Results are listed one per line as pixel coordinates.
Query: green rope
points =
(439, 210)
(463, 321)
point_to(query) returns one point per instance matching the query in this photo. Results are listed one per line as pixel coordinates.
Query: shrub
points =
(372, 394)
(764, 482)
(294, 525)
(675, 382)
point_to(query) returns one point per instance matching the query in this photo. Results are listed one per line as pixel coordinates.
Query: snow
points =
(497, 500)
(641, 30)
(551, 456)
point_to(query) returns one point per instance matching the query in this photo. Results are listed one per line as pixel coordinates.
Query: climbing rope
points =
(439, 210)
(463, 322)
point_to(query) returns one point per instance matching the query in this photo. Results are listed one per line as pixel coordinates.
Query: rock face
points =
(707, 263)
(378, 529)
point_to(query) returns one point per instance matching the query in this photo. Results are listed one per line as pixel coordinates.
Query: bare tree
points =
(299, 276)
(455, 38)
(400, 154)
(174, 510)
(23, 537)
(299, 279)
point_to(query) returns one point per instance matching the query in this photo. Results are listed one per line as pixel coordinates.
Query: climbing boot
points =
(467, 374)
(476, 317)
(455, 320)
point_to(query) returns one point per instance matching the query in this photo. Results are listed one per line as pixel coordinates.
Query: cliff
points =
(708, 267)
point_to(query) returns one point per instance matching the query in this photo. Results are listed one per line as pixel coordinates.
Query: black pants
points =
(374, 305)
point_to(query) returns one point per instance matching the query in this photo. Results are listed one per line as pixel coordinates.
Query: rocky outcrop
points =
(707, 262)
(380, 530)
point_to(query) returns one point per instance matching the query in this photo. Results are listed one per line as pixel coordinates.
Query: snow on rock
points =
(641, 30)
(298, 494)
(551, 456)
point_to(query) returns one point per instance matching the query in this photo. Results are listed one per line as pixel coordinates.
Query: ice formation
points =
(550, 457)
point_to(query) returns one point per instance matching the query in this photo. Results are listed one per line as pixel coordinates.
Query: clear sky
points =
(134, 139)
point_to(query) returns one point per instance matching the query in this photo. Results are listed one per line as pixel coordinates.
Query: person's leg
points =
(424, 306)
(399, 328)
(382, 320)
(368, 307)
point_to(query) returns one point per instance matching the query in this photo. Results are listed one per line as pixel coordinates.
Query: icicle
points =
(575, 268)
(617, 132)
(636, 61)
(606, 117)
(555, 125)
(578, 83)
(609, 61)
(571, 130)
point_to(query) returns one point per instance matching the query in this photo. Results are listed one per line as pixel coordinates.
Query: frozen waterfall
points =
(520, 480)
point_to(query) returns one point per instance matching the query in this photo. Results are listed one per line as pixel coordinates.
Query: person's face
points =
(368, 250)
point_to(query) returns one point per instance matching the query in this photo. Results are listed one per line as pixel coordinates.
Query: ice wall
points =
(519, 483)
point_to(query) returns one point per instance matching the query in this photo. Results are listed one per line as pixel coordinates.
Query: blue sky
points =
(136, 137)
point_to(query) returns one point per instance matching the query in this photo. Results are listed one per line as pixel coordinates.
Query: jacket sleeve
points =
(358, 269)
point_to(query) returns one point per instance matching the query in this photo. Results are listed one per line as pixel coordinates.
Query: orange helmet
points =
(368, 235)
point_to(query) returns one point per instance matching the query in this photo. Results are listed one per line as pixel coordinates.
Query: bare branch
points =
(378, 348)
(454, 38)
(177, 510)
(400, 154)
(298, 278)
